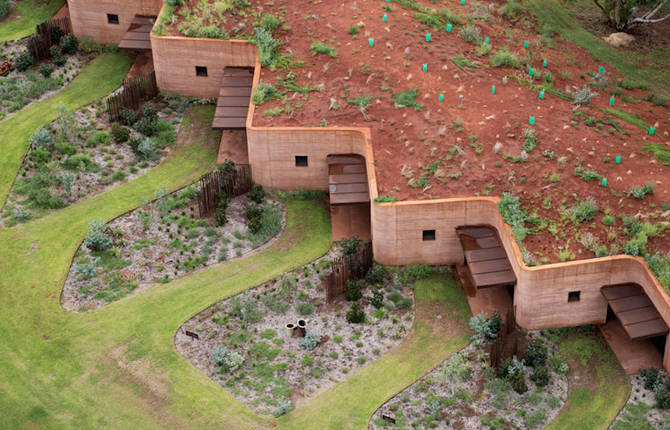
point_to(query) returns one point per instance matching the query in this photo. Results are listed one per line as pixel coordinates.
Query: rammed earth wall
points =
(541, 293)
(89, 17)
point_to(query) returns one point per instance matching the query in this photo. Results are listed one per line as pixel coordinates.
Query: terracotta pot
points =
(290, 329)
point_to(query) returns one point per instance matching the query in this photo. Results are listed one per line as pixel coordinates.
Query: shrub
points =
(310, 341)
(641, 191)
(98, 138)
(510, 209)
(305, 308)
(581, 96)
(376, 274)
(59, 61)
(353, 29)
(377, 298)
(97, 238)
(24, 61)
(4, 8)
(530, 140)
(221, 216)
(355, 314)
(650, 377)
(270, 224)
(470, 33)
(608, 220)
(504, 58)
(283, 407)
(68, 44)
(515, 374)
(46, 70)
(268, 48)
(449, 17)
(583, 211)
(353, 290)
(128, 116)
(350, 246)
(146, 126)
(270, 22)
(119, 134)
(536, 353)
(87, 270)
(227, 359)
(407, 98)
(41, 139)
(264, 93)
(146, 150)
(637, 247)
(322, 48)
(256, 194)
(485, 328)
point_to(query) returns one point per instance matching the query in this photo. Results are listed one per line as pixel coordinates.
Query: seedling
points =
(371, 41)
(449, 27)
(544, 63)
(618, 159)
(493, 89)
(526, 44)
(424, 67)
(427, 37)
(651, 131)
(541, 94)
(612, 101)
(384, 18)
(531, 120)
(486, 40)
(441, 98)
(604, 182)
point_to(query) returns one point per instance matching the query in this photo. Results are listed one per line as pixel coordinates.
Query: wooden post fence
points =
(347, 268)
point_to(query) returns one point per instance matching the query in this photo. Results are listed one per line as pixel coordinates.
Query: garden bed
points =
(162, 241)
(83, 153)
(465, 392)
(645, 409)
(28, 83)
(320, 70)
(244, 344)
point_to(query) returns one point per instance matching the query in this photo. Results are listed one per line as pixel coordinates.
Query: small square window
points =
(200, 71)
(429, 235)
(112, 18)
(573, 296)
(301, 161)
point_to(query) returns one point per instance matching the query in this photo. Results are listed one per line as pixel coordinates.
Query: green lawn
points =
(601, 388)
(25, 16)
(100, 77)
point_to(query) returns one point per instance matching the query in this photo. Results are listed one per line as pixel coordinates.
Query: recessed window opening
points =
(574, 296)
(112, 18)
(429, 235)
(200, 71)
(301, 161)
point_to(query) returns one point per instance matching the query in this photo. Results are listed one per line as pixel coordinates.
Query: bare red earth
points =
(406, 140)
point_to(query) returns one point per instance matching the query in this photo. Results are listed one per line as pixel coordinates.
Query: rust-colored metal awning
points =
(485, 257)
(347, 179)
(637, 313)
(138, 38)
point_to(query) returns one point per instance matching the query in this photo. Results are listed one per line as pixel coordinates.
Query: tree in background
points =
(623, 14)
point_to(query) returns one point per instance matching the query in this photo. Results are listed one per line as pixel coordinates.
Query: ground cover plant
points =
(245, 346)
(83, 152)
(466, 392)
(454, 134)
(165, 240)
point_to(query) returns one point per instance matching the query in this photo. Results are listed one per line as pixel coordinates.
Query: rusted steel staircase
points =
(234, 98)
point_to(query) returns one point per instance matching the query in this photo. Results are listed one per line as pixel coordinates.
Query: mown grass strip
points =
(27, 14)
